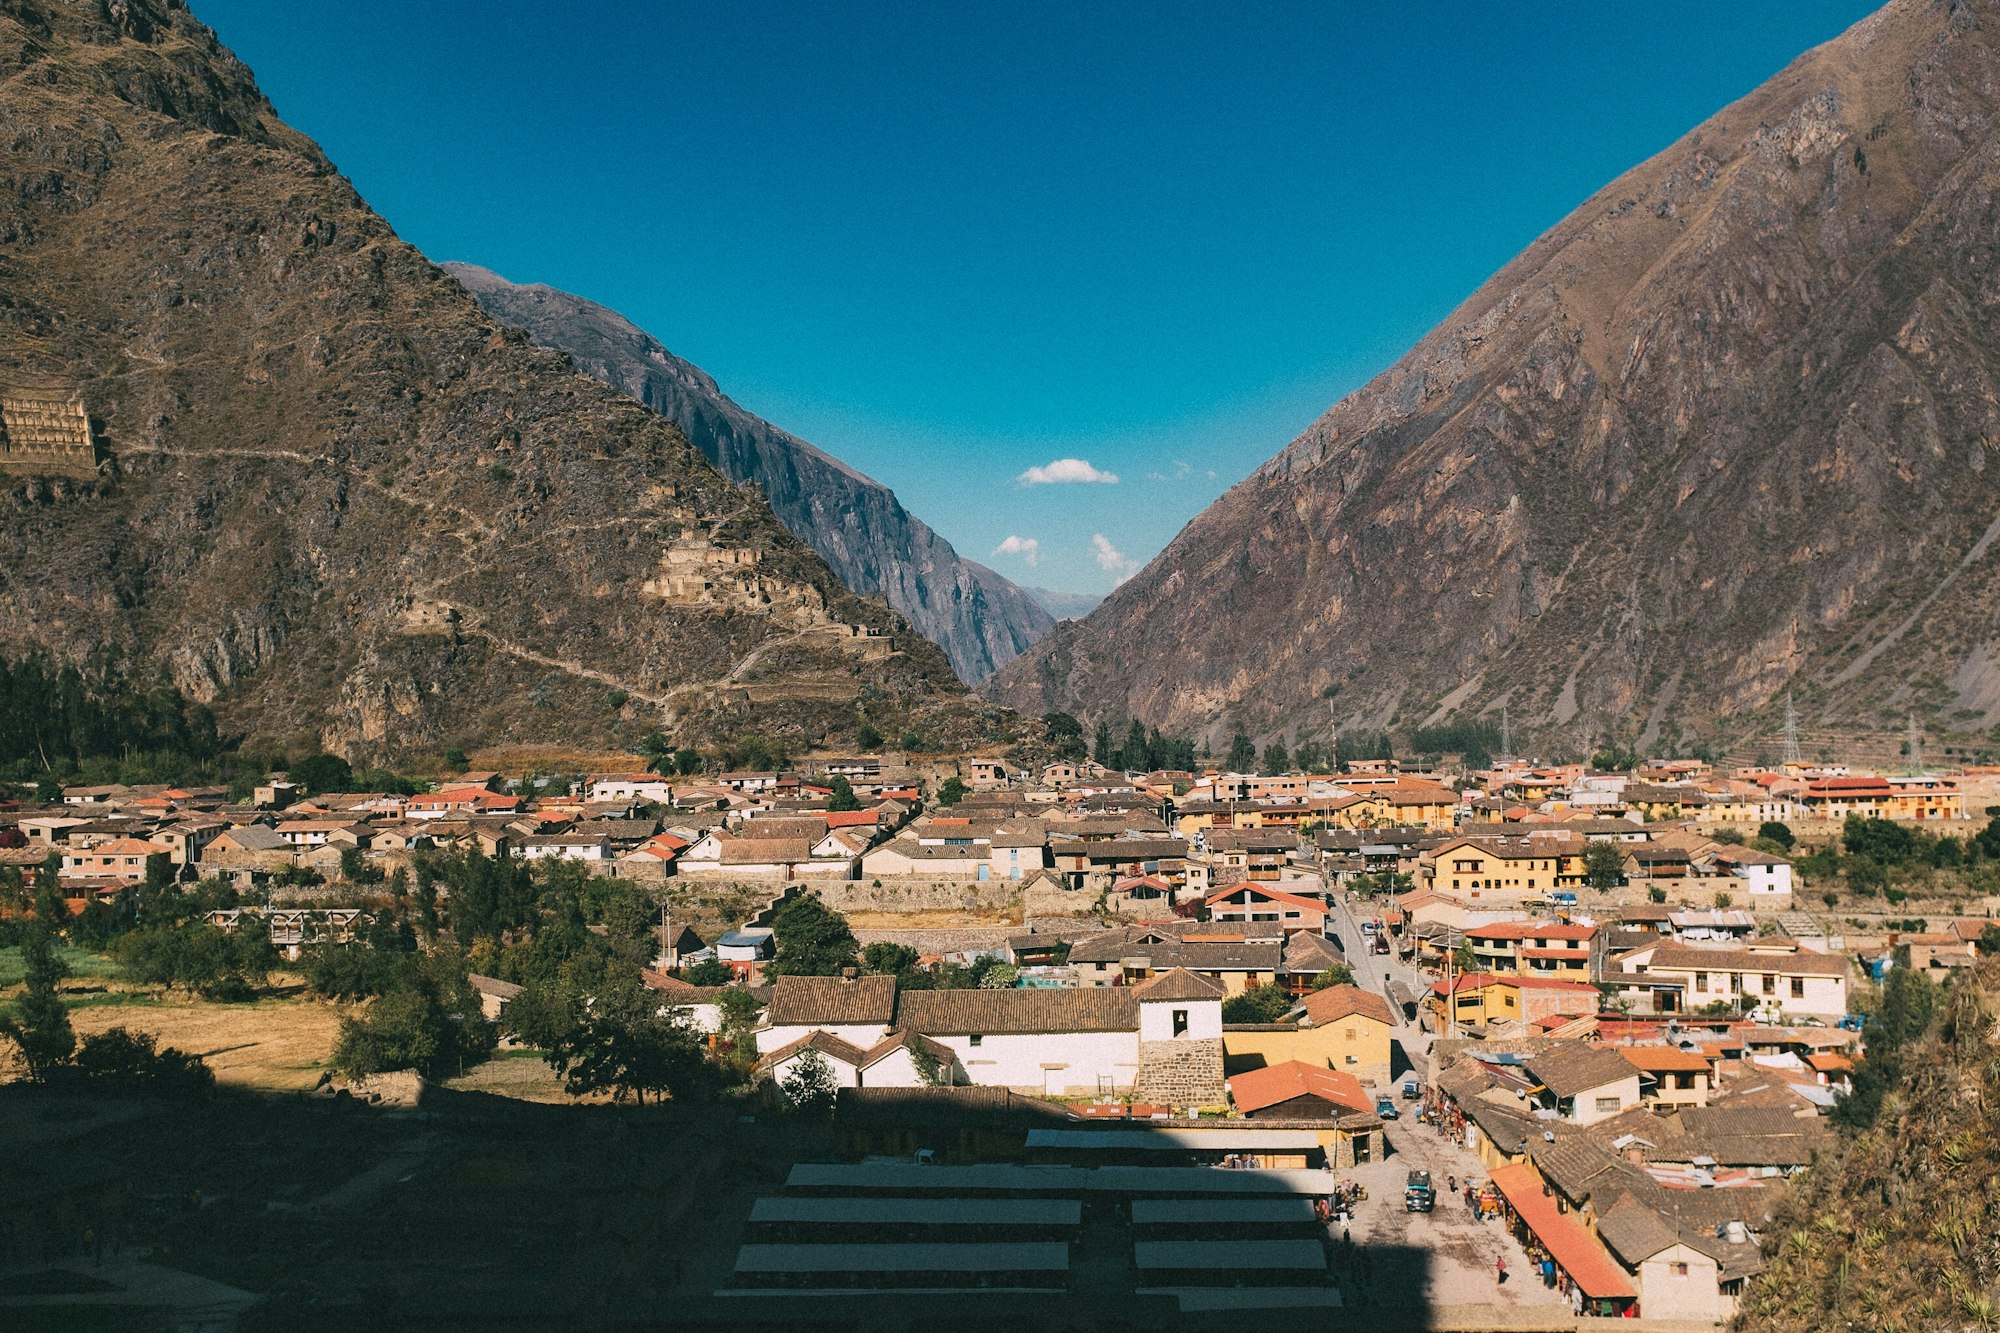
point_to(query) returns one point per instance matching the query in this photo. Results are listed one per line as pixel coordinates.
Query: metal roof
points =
(925, 1212)
(1246, 1255)
(914, 1257)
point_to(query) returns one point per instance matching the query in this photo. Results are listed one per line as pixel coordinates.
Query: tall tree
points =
(812, 939)
(1101, 751)
(843, 797)
(1242, 756)
(39, 1025)
(626, 1043)
(1276, 760)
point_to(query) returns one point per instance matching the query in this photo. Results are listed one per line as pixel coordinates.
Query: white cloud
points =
(1027, 548)
(1111, 558)
(1066, 470)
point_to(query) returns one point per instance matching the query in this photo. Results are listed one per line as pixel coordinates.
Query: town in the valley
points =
(1512, 1045)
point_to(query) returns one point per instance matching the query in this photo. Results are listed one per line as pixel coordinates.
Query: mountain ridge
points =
(331, 496)
(979, 617)
(1595, 494)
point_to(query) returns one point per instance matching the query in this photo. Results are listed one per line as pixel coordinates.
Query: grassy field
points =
(83, 965)
(273, 1044)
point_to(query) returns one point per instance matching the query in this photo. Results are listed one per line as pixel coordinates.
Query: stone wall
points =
(1181, 1073)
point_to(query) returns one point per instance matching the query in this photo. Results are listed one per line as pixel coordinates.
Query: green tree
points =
(809, 1088)
(1065, 735)
(319, 773)
(1276, 759)
(1883, 840)
(888, 958)
(1101, 752)
(1340, 974)
(431, 1022)
(129, 1061)
(867, 737)
(687, 762)
(1257, 1004)
(1777, 832)
(1242, 756)
(952, 791)
(708, 972)
(843, 797)
(39, 1025)
(812, 939)
(739, 1011)
(625, 1043)
(1603, 865)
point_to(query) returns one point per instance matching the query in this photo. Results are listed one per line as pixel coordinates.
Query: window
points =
(1770, 984)
(1798, 988)
(1701, 981)
(1608, 1103)
(1680, 1270)
(977, 1039)
(1180, 1022)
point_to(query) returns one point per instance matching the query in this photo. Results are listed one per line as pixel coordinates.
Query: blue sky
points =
(951, 243)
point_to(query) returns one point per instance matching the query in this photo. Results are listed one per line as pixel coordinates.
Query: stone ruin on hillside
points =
(46, 429)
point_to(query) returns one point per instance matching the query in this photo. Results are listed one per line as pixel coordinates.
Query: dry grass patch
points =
(932, 919)
(282, 1045)
(513, 759)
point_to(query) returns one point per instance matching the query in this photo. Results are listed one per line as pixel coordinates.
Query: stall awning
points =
(1568, 1242)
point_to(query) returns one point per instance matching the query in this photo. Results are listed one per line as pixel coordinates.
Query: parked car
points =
(1386, 1109)
(1854, 1022)
(1419, 1196)
(1412, 1090)
(1380, 946)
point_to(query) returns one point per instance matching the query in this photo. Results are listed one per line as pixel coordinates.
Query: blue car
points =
(1385, 1108)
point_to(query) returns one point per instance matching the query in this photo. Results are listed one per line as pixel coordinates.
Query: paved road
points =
(1374, 971)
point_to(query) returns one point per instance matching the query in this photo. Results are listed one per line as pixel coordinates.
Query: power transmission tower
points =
(1792, 754)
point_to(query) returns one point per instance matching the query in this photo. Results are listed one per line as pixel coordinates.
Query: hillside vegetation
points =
(1900, 1228)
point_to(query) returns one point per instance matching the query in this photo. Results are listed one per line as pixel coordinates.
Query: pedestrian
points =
(1346, 1238)
(1500, 1269)
(1453, 1182)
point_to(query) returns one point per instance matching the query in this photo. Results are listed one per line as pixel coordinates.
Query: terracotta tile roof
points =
(1574, 1068)
(764, 851)
(1801, 962)
(1666, 1059)
(820, 1001)
(1338, 1002)
(1178, 984)
(1565, 1238)
(962, 1012)
(1255, 1089)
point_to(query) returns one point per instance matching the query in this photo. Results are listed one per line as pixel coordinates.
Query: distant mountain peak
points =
(876, 546)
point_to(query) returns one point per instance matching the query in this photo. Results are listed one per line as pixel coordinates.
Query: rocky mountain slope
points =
(335, 497)
(1725, 431)
(979, 618)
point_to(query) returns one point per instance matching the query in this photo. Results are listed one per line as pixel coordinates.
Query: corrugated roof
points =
(1568, 1243)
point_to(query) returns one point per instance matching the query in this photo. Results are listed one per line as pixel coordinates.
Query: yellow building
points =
(1344, 1028)
(1401, 804)
(1513, 867)
(1482, 998)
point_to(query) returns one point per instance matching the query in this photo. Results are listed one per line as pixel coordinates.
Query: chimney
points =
(849, 973)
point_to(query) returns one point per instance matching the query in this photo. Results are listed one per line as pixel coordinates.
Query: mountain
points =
(251, 440)
(1065, 605)
(1726, 431)
(876, 546)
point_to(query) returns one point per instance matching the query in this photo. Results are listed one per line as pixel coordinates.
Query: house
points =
(897, 1060)
(754, 858)
(493, 993)
(1126, 957)
(1478, 999)
(1255, 854)
(907, 854)
(1343, 1027)
(1564, 950)
(1247, 900)
(1295, 1090)
(320, 832)
(1094, 864)
(1774, 975)
(1401, 804)
(565, 847)
(1509, 869)
(186, 840)
(987, 773)
(1671, 1076)
(1767, 877)
(745, 950)
(1583, 1083)
(857, 1010)
(653, 788)
(121, 860)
